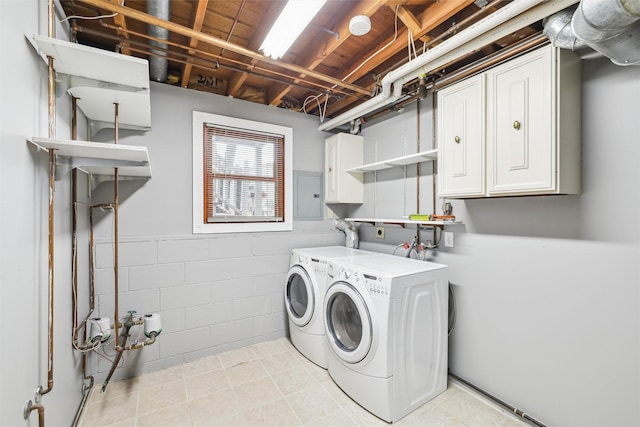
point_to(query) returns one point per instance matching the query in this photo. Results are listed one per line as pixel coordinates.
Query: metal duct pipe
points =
(158, 63)
(558, 30)
(611, 27)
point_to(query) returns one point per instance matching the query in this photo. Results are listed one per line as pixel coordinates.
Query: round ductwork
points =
(360, 25)
(557, 28)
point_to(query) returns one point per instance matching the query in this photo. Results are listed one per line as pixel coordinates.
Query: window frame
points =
(199, 225)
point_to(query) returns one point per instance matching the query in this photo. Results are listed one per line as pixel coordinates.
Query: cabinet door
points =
(461, 139)
(343, 152)
(520, 128)
(331, 170)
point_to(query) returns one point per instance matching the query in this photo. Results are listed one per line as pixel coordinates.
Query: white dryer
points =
(386, 325)
(304, 292)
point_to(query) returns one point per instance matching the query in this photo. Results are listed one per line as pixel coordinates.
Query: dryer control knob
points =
(347, 274)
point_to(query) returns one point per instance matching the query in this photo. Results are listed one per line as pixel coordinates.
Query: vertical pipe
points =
(434, 144)
(115, 225)
(52, 163)
(74, 224)
(30, 407)
(417, 151)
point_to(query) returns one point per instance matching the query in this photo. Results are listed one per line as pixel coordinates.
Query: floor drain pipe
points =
(519, 413)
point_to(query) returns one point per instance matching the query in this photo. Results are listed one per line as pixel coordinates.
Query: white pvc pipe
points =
(412, 69)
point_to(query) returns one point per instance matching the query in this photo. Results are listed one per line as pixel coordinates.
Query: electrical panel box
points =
(307, 196)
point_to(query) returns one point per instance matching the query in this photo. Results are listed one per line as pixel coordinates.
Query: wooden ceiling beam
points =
(197, 19)
(214, 41)
(121, 22)
(408, 19)
(315, 57)
(429, 19)
(237, 79)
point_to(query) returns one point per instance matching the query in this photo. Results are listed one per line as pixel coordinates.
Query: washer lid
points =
(299, 296)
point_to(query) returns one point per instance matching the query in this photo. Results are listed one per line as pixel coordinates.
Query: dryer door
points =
(347, 322)
(299, 296)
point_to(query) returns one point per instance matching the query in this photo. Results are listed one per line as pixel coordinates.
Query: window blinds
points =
(244, 175)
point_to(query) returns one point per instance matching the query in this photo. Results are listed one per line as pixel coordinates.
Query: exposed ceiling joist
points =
(121, 22)
(214, 44)
(429, 19)
(197, 18)
(236, 81)
(206, 38)
(407, 18)
(315, 57)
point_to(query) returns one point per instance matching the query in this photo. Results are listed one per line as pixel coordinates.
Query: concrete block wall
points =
(214, 293)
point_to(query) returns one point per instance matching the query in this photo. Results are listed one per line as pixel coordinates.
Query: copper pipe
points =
(74, 224)
(417, 151)
(30, 407)
(115, 224)
(525, 45)
(528, 43)
(92, 254)
(454, 28)
(241, 68)
(51, 88)
(235, 22)
(214, 41)
(434, 144)
(74, 248)
(217, 64)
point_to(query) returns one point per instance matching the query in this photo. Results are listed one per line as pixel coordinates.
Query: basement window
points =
(242, 174)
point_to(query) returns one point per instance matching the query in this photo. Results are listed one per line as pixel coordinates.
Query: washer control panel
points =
(375, 285)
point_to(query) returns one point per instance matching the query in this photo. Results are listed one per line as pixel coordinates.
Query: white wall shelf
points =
(100, 158)
(403, 222)
(410, 159)
(99, 79)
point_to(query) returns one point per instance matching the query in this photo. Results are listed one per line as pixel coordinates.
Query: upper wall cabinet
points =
(99, 79)
(520, 136)
(461, 116)
(343, 151)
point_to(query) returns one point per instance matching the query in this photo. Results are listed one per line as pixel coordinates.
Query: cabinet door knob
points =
(330, 169)
(516, 125)
(457, 139)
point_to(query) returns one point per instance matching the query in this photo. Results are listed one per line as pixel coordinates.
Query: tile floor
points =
(267, 384)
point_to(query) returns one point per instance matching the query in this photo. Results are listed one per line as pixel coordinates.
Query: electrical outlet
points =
(380, 232)
(448, 239)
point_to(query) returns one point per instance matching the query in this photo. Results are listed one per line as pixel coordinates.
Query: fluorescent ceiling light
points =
(294, 18)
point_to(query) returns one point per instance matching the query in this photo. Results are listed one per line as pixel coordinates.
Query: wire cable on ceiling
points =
(316, 97)
(91, 17)
(321, 109)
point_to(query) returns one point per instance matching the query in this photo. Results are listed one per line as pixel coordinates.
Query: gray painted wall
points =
(547, 288)
(24, 191)
(214, 292)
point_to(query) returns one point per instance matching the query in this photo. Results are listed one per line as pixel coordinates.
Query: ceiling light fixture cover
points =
(294, 18)
(360, 25)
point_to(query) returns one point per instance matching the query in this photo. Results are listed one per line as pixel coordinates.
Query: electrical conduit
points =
(426, 62)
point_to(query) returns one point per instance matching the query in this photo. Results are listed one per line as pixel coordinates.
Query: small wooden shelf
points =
(410, 159)
(100, 158)
(403, 221)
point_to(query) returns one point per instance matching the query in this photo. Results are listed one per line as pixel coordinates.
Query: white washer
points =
(386, 325)
(304, 292)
